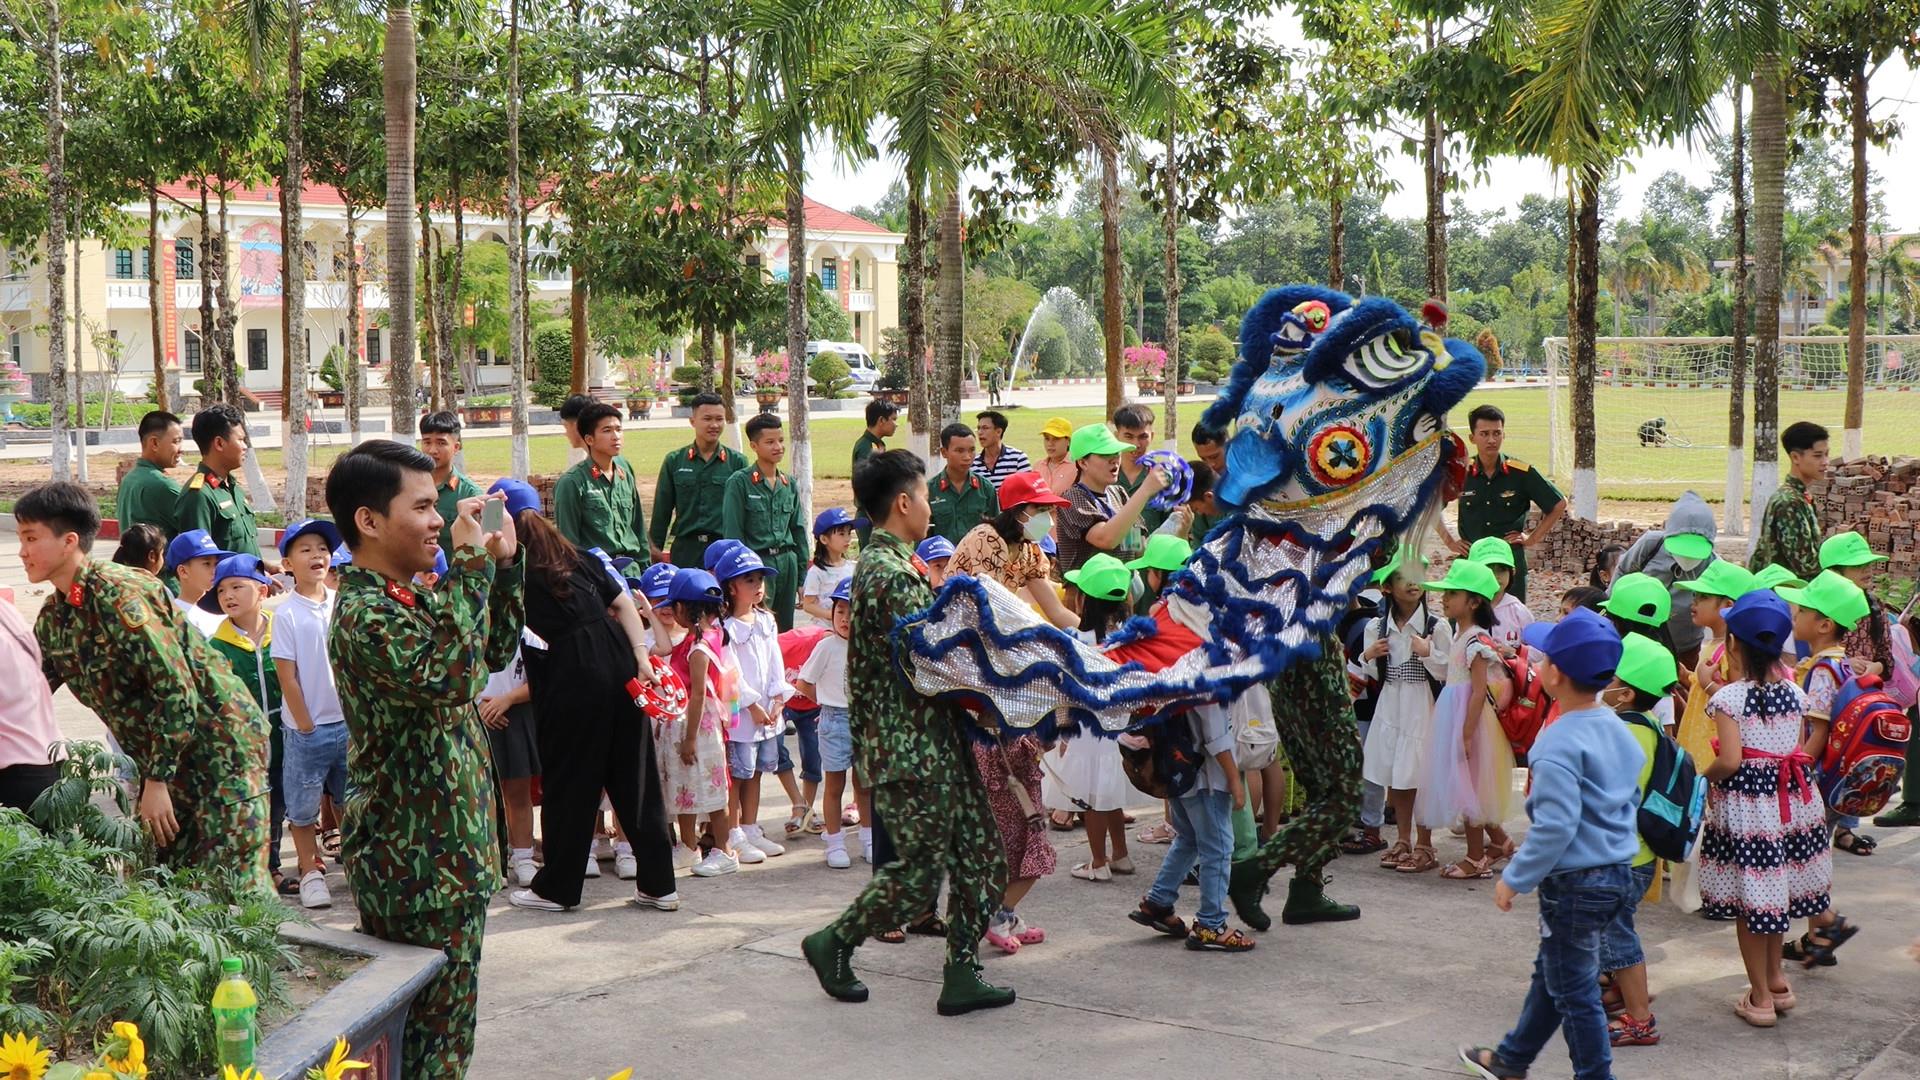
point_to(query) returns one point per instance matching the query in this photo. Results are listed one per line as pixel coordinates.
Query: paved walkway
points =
(718, 989)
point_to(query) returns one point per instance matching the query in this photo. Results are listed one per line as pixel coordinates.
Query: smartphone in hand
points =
(493, 515)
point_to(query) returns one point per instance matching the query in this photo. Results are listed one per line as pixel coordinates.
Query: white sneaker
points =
(838, 859)
(669, 902)
(745, 852)
(866, 854)
(625, 866)
(684, 857)
(758, 838)
(533, 901)
(603, 847)
(593, 867)
(523, 871)
(716, 863)
(314, 892)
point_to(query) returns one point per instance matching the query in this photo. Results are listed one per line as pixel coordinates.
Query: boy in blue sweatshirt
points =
(1586, 768)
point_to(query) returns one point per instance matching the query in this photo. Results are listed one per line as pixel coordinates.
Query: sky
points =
(1896, 89)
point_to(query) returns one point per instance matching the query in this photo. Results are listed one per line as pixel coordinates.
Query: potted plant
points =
(686, 381)
(769, 379)
(490, 410)
(637, 373)
(894, 368)
(1147, 364)
(334, 396)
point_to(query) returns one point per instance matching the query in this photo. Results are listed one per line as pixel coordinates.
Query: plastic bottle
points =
(234, 1009)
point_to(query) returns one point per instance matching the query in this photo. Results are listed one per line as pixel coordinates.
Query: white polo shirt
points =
(300, 630)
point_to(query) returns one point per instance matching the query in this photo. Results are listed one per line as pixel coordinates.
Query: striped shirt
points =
(1009, 462)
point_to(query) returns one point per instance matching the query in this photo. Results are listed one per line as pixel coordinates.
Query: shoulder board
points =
(1516, 463)
(199, 481)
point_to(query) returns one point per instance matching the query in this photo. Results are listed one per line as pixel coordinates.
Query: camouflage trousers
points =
(438, 1041)
(939, 830)
(223, 823)
(1313, 713)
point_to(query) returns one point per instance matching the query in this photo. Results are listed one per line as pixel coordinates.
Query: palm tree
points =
(400, 69)
(1903, 269)
(57, 196)
(1770, 111)
(516, 254)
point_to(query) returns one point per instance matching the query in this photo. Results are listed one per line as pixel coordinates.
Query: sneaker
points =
(593, 867)
(523, 871)
(1484, 1062)
(668, 902)
(866, 854)
(838, 859)
(745, 852)
(684, 857)
(758, 839)
(603, 847)
(532, 901)
(314, 892)
(625, 866)
(1223, 939)
(716, 863)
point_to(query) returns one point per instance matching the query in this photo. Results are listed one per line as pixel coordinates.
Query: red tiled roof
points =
(827, 219)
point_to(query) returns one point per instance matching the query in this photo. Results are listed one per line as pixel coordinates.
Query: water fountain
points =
(1063, 306)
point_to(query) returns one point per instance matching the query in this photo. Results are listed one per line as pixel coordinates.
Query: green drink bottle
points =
(234, 1009)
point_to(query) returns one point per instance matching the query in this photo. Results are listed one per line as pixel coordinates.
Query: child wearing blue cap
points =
(754, 734)
(242, 638)
(694, 749)
(824, 679)
(191, 559)
(1584, 805)
(832, 536)
(315, 724)
(935, 552)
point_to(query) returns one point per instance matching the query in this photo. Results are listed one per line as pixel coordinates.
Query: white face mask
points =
(1687, 564)
(1037, 526)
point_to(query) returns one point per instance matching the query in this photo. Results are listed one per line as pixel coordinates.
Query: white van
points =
(866, 375)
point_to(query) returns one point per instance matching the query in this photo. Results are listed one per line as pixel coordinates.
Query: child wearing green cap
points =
(1640, 604)
(1407, 645)
(1510, 616)
(1467, 765)
(1712, 593)
(1085, 774)
(1646, 675)
(1848, 555)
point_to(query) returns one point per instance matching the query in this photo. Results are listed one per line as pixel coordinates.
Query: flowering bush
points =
(770, 369)
(1147, 361)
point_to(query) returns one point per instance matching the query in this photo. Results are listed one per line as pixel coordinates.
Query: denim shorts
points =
(836, 740)
(806, 732)
(745, 760)
(1619, 942)
(316, 762)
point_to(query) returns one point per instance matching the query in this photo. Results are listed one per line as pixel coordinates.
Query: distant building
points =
(1808, 294)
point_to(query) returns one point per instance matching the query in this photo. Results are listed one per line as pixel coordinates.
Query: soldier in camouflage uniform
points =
(1313, 712)
(420, 849)
(112, 634)
(914, 753)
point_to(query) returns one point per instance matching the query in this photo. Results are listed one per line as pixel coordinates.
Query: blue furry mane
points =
(1256, 345)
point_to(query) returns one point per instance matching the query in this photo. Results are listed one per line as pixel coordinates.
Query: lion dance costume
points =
(1338, 447)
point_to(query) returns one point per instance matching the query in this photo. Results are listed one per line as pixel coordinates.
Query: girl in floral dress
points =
(1763, 856)
(693, 761)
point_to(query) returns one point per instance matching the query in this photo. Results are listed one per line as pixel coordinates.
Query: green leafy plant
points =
(686, 380)
(330, 370)
(830, 374)
(40, 415)
(894, 366)
(91, 933)
(552, 363)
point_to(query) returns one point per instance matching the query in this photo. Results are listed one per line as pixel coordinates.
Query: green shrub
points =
(330, 370)
(1207, 355)
(125, 413)
(90, 933)
(895, 369)
(552, 362)
(830, 374)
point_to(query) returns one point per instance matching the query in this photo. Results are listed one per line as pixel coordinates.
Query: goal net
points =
(1660, 406)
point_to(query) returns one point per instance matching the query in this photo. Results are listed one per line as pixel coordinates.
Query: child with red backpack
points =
(1640, 604)
(1510, 615)
(1467, 767)
(1823, 612)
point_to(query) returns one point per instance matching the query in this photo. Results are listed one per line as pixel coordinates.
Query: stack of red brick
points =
(1880, 498)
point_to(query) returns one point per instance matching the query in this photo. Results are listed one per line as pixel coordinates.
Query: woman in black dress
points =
(592, 736)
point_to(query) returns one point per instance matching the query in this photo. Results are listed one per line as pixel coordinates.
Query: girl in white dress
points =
(1467, 771)
(1084, 773)
(1408, 647)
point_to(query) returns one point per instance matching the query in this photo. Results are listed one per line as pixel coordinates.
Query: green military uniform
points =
(595, 507)
(447, 502)
(1313, 713)
(1789, 532)
(128, 654)
(218, 505)
(763, 512)
(926, 783)
(1150, 519)
(689, 497)
(147, 496)
(420, 850)
(867, 445)
(1497, 504)
(957, 508)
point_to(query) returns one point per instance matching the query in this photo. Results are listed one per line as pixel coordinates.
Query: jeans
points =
(1202, 833)
(835, 739)
(1844, 821)
(806, 732)
(748, 759)
(1620, 944)
(315, 762)
(1576, 906)
(1373, 797)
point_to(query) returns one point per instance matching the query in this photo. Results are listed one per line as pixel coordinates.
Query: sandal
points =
(797, 820)
(1028, 935)
(1853, 843)
(1468, 869)
(330, 843)
(1499, 852)
(1816, 947)
(1060, 821)
(1745, 1009)
(1160, 832)
(928, 925)
(1626, 1031)
(287, 886)
(1420, 861)
(1784, 1001)
(850, 816)
(1364, 842)
(891, 937)
(1000, 936)
(1399, 853)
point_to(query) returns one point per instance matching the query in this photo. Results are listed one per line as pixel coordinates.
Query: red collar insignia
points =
(921, 567)
(401, 593)
(595, 472)
(76, 594)
(214, 481)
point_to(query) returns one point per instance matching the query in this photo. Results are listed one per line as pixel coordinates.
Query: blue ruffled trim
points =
(1137, 628)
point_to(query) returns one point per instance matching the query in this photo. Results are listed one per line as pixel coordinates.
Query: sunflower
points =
(337, 1066)
(22, 1059)
(250, 1073)
(623, 1074)
(125, 1053)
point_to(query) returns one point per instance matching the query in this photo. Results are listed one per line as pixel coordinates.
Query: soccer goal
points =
(1660, 407)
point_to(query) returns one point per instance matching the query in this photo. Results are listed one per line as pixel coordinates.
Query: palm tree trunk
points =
(918, 417)
(1735, 519)
(209, 356)
(356, 335)
(229, 316)
(1857, 270)
(161, 399)
(952, 286)
(1769, 191)
(798, 442)
(56, 246)
(522, 461)
(1586, 494)
(429, 284)
(294, 301)
(1109, 271)
(399, 76)
(1171, 290)
(452, 378)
